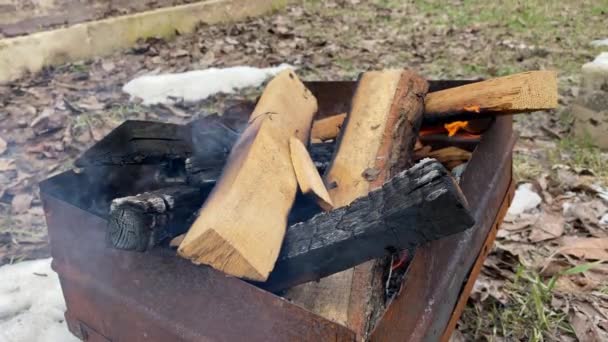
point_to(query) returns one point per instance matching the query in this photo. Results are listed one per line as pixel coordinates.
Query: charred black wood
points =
(145, 220)
(203, 170)
(416, 206)
(139, 142)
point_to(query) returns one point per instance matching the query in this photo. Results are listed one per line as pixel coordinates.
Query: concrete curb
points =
(98, 38)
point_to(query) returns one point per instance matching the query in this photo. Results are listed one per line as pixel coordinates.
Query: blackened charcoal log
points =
(139, 142)
(149, 142)
(416, 206)
(145, 220)
(204, 171)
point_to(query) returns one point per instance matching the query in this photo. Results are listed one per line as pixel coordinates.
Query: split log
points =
(308, 177)
(449, 154)
(143, 221)
(327, 128)
(376, 142)
(518, 93)
(242, 224)
(416, 206)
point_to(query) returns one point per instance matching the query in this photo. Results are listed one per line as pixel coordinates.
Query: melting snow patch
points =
(31, 304)
(600, 42)
(525, 200)
(197, 85)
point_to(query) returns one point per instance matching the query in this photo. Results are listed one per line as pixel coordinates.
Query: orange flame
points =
(454, 127)
(472, 108)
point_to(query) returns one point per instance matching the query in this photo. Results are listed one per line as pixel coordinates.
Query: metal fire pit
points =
(115, 295)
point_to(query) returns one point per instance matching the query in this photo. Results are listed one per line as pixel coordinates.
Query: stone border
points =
(98, 38)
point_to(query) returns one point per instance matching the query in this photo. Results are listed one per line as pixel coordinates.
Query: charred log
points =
(416, 206)
(145, 220)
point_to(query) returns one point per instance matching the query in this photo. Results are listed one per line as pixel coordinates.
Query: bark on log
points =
(145, 220)
(416, 206)
(375, 140)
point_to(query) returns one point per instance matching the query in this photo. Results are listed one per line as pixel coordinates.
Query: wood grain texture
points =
(416, 206)
(361, 163)
(242, 224)
(308, 177)
(523, 92)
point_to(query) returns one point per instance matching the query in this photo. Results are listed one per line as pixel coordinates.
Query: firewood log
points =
(143, 221)
(327, 128)
(374, 143)
(387, 218)
(242, 224)
(518, 93)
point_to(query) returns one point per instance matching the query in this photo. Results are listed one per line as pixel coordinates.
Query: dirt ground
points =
(545, 279)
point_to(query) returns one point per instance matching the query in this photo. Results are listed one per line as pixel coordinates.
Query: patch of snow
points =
(600, 63)
(525, 200)
(197, 85)
(32, 304)
(600, 42)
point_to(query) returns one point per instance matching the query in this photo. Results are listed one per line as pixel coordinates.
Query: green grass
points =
(580, 153)
(526, 168)
(528, 314)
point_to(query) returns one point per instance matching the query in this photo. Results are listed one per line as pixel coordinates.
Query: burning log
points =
(142, 221)
(524, 92)
(519, 93)
(450, 156)
(388, 218)
(241, 226)
(376, 142)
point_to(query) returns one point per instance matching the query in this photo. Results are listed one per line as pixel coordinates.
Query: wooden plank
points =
(308, 177)
(524, 92)
(384, 105)
(416, 206)
(241, 226)
(143, 221)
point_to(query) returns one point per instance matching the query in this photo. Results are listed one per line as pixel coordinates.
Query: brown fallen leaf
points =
(584, 248)
(487, 287)
(549, 226)
(7, 164)
(21, 203)
(584, 328)
(3, 145)
(519, 222)
(587, 216)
